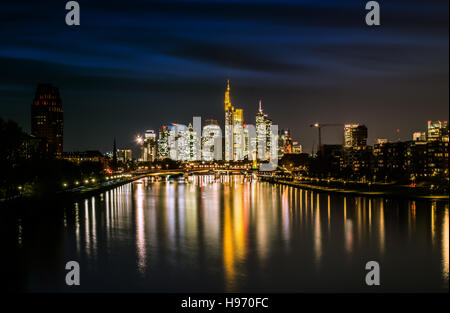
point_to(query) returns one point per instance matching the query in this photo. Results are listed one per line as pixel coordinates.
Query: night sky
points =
(136, 65)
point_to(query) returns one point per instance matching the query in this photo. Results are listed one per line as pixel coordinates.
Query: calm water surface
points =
(231, 235)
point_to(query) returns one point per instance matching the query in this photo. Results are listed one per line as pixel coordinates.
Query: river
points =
(230, 234)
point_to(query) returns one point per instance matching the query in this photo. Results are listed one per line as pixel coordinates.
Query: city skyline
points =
(173, 67)
(140, 141)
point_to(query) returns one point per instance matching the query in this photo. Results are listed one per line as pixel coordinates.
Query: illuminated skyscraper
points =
(191, 149)
(163, 143)
(260, 133)
(229, 116)
(238, 135)
(355, 136)
(246, 142)
(234, 137)
(263, 134)
(212, 135)
(182, 142)
(269, 136)
(437, 130)
(437, 148)
(47, 117)
(177, 142)
(148, 148)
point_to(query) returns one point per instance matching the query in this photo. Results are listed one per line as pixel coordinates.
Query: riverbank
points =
(378, 190)
(69, 195)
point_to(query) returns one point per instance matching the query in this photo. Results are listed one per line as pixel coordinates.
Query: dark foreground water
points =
(230, 235)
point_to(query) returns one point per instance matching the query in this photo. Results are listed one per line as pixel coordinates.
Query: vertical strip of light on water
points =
(192, 220)
(228, 247)
(411, 219)
(382, 226)
(140, 228)
(317, 234)
(329, 213)
(153, 204)
(370, 217)
(348, 229)
(171, 193)
(301, 206)
(211, 212)
(181, 214)
(345, 209)
(239, 224)
(87, 235)
(77, 227)
(262, 219)
(445, 250)
(108, 222)
(94, 228)
(306, 206)
(107, 213)
(285, 214)
(295, 199)
(19, 232)
(359, 218)
(433, 223)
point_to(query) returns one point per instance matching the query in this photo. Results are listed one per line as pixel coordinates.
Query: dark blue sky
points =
(135, 65)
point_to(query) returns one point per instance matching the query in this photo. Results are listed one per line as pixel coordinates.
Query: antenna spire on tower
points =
(228, 105)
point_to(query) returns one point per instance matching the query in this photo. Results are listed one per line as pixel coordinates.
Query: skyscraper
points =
(269, 136)
(247, 143)
(238, 135)
(260, 133)
(191, 149)
(437, 130)
(148, 148)
(263, 134)
(181, 142)
(234, 130)
(229, 116)
(355, 136)
(211, 138)
(437, 148)
(47, 118)
(163, 143)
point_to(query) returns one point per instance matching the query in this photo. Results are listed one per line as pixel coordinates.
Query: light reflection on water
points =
(234, 234)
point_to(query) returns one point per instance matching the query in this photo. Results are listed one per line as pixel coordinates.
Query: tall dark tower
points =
(47, 118)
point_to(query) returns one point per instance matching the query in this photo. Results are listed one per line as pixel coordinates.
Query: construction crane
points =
(319, 129)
